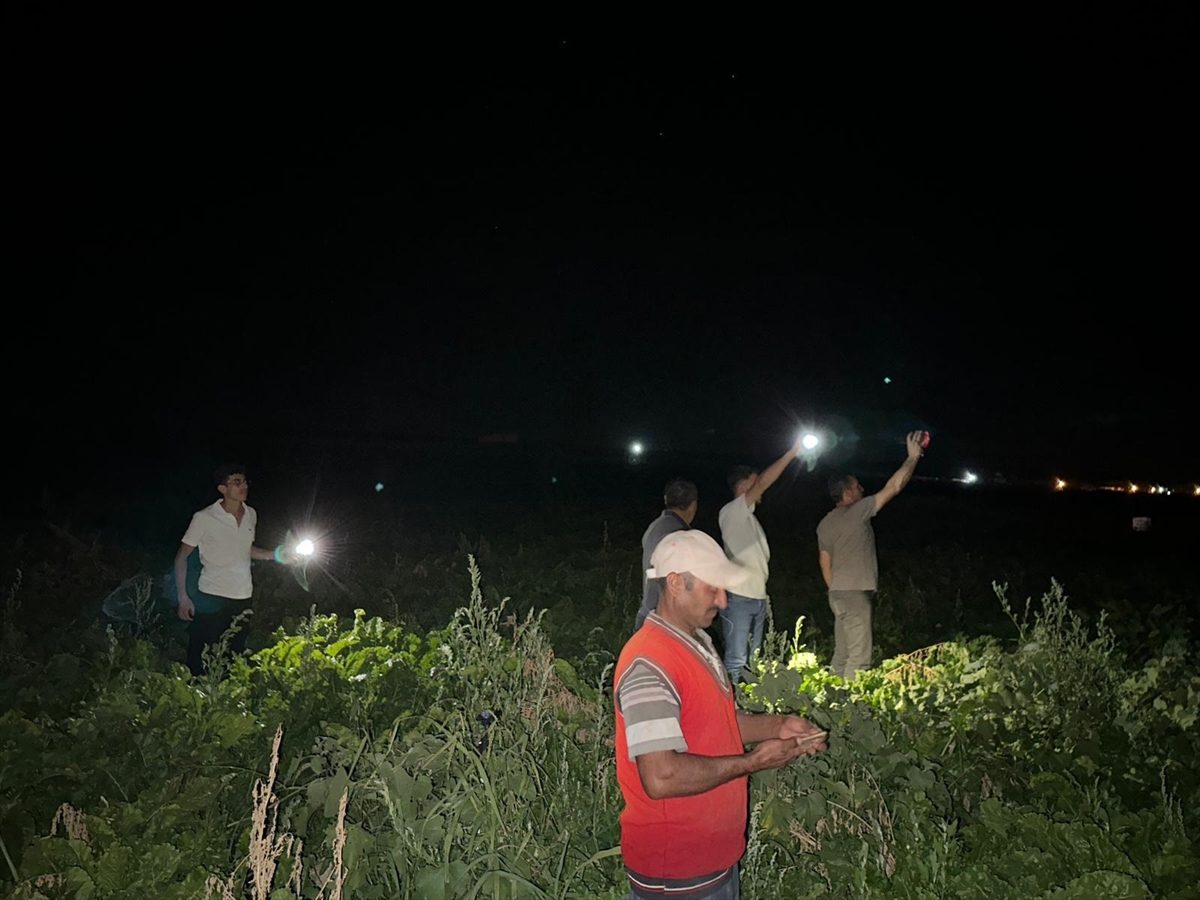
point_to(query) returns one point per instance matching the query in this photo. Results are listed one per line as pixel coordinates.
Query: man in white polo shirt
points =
(746, 544)
(224, 532)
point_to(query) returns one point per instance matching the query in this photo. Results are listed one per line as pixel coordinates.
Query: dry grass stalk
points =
(266, 848)
(811, 738)
(73, 821)
(222, 890)
(809, 843)
(339, 845)
(296, 882)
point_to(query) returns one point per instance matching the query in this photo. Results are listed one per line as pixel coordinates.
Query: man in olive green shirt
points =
(846, 543)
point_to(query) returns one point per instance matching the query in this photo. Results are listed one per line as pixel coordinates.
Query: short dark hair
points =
(738, 474)
(679, 494)
(838, 485)
(227, 471)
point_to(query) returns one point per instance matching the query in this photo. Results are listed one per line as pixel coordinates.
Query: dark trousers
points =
(206, 629)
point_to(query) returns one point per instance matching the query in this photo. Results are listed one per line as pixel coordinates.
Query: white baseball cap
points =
(695, 552)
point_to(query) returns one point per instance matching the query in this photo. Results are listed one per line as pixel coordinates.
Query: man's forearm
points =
(690, 775)
(180, 577)
(755, 728)
(902, 475)
(260, 553)
(772, 472)
(827, 572)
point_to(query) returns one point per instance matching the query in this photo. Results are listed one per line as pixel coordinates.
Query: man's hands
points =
(797, 737)
(913, 443)
(186, 609)
(808, 736)
(778, 741)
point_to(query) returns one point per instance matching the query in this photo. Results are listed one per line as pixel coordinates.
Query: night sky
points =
(224, 230)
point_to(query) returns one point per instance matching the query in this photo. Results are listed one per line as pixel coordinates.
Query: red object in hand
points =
(924, 439)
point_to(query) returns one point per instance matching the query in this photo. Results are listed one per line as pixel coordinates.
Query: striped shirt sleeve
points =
(649, 704)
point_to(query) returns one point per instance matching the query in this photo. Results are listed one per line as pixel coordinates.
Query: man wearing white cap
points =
(681, 759)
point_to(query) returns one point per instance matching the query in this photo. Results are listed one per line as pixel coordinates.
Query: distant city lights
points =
(813, 444)
(1131, 487)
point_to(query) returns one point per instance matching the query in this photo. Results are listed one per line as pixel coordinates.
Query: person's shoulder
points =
(206, 512)
(735, 506)
(656, 528)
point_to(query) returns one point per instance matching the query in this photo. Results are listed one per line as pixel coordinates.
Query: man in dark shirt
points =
(680, 499)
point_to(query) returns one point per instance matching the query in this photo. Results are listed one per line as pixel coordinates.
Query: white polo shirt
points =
(746, 544)
(224, 550)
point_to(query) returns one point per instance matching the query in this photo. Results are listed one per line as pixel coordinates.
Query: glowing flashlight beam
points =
(809, 441)
(306, 548)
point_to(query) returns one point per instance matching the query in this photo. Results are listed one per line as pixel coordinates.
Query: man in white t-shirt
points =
(224, 533)
(745, 543)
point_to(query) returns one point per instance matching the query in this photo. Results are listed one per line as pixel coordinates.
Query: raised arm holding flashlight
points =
(846, 544)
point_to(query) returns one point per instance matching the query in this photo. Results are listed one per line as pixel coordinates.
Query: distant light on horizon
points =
(1133, 488)
(1059, 484)
(886, 380)
(636, 448)
(378, 486)
(970, 478)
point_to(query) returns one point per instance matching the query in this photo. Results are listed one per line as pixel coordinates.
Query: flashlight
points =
(306, 547)
(809, 441)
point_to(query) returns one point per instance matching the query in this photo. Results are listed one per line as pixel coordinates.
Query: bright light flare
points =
(1196, 491)
(810, 441)
(970, 478)
(1059, 484)
(306, 548)
(1133, 488)
(636, 448)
